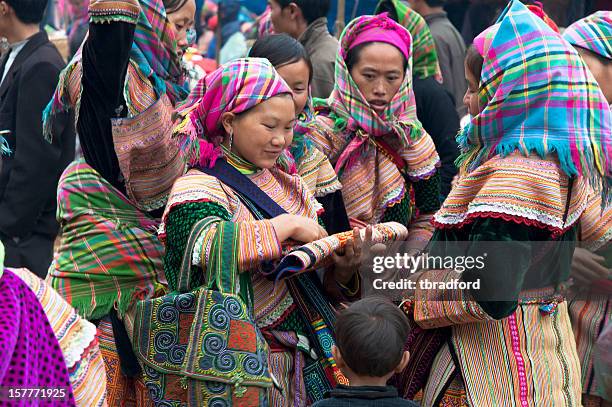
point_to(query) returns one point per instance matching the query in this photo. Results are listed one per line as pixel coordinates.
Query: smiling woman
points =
(241, 124)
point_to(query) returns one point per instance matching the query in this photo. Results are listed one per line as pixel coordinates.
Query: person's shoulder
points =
(45, 58)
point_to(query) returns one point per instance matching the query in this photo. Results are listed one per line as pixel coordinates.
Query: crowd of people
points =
(177, 233)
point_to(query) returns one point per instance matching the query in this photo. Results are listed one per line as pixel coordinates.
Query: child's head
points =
(290, 60)
(473, 69)
(370, 338)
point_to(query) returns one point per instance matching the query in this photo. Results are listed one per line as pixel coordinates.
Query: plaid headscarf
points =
(539, 98)
(234, 87)
(424, 56)
(154, 50)
(593, 33)
(352, 109)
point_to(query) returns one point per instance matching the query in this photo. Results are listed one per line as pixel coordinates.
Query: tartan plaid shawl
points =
(424, 56)
(109, 255)
(538, 97)
(593, 33)
(234, 87)
(353, 111)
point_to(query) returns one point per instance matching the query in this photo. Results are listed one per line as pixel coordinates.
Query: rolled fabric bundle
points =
(319, 253)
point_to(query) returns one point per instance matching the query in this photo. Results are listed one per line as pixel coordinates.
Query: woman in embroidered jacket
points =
(246, 117)
(292, 63)
(524, 170)
(591, 311)
(123, 84)
(368, 129)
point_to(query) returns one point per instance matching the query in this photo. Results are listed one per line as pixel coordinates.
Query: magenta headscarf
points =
(234, 87)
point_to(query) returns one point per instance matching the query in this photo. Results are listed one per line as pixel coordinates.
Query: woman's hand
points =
(588, 267)
(298, 228)
(348, 259)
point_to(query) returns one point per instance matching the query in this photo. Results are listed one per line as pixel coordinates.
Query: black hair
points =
(370, 336)
(173, 5)
(435, 3)
(474, 61)
(28, 11)
(352, 57)
(280, 50)
(311, 9)
(386, 6)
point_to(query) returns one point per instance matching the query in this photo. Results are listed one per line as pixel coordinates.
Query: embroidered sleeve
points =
(108, 11)
(421, 229)
(595, 224)
(436, 308)
(257, 240)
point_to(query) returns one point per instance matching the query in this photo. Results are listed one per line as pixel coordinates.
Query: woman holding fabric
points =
(244, 121)
(368, 129)
(524, 171)
(123, 84)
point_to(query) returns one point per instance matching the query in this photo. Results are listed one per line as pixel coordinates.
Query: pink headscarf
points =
(234, 87)
(381, 28)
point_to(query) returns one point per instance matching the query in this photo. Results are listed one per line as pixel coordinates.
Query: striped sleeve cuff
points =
(108, 11)
(436, 308)
(258, 243)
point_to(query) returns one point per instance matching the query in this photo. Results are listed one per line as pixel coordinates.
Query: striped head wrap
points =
(539, 98)
(424, 58)
(352, 109)
(234, 87)
(593, 33)
(154, 51)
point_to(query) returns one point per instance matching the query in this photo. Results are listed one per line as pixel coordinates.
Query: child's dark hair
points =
(474, 61)
(311, 9)
(352, 57)
(28, 11)
(370, 336)
(280, 50)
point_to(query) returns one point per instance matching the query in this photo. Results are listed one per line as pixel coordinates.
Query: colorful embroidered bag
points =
(202, 347)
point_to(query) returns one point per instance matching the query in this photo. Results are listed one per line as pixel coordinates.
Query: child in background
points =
(370, 337)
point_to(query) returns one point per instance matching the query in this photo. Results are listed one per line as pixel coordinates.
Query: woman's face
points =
(261, 134)
(379, 73)
(601, 71)
(181, 20)
(470, 99)
(297, 76)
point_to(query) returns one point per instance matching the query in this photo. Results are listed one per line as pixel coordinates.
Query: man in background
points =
(449, 46)
(29, 174)
(306, 21)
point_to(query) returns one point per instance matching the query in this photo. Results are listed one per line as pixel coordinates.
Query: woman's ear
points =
(227, 121)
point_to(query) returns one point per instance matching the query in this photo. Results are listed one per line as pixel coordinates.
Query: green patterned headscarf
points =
(424, 56)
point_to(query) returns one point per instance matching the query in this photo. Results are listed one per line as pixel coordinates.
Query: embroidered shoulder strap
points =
(260, 204)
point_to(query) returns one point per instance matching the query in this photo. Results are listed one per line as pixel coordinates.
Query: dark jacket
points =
(322, 49)
(451, 53)
(366, 396)
(29, 176)
(436, 111)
